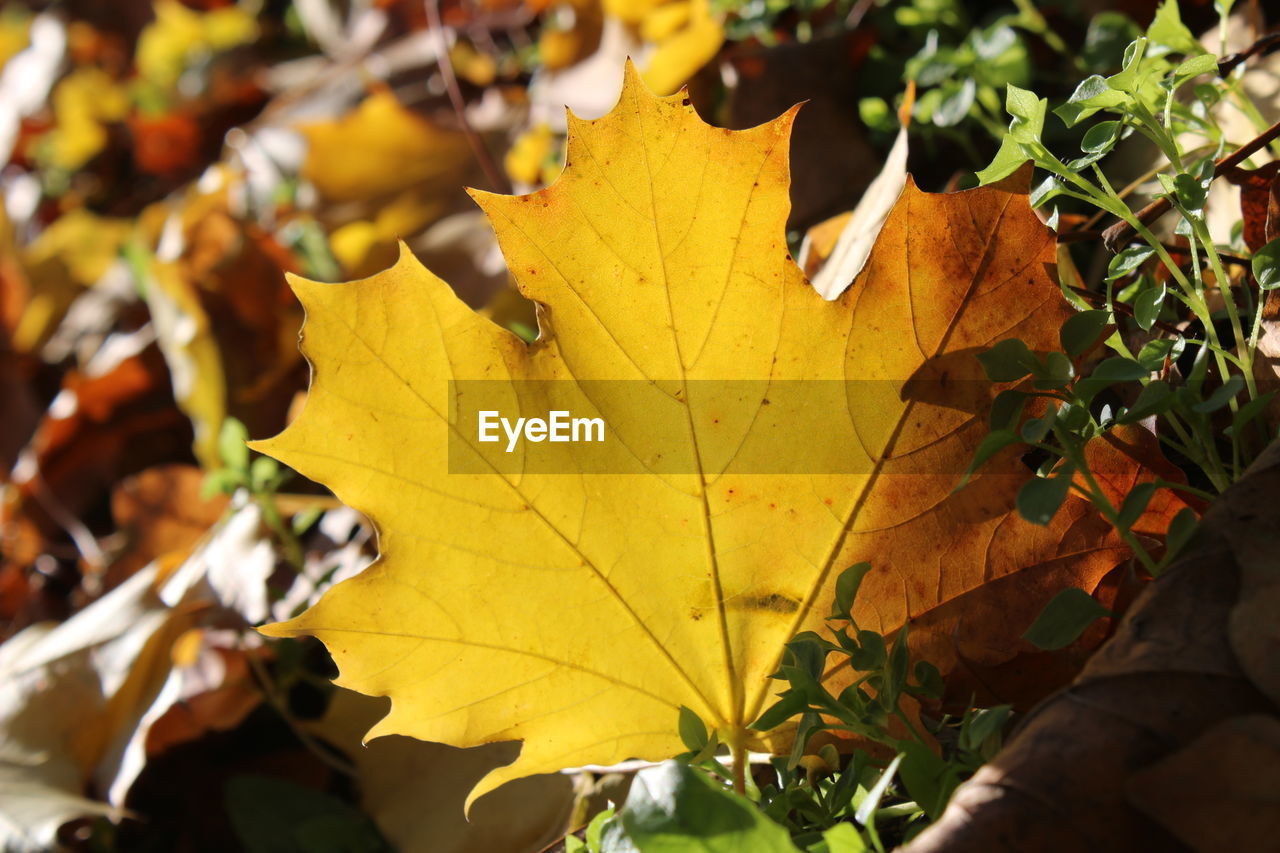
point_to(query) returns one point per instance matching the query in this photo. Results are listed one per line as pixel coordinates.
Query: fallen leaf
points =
(70, 255)
(167, 145)
(414, 791)
(72, 692)
(223, 316)
(527, 159)
(858, 236)
(683, 50)
(179, 34)
(1146, 749)
(578, 613)
(569, 39)
(84, 102)
(161, 511)
(1221, 793)
(398, 149)
(1259, 202)
(98, 429)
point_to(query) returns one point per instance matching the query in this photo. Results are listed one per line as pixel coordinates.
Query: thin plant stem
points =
(271, 693)
(738, 753)
(497, 179)
(1099, 498)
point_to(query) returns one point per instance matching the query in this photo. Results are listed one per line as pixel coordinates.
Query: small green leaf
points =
(1207, 94)
(303, 520)
(222, 481)
(895, 676)
(1006, 409)
(1135, 504)
(1094, 93)
(1119, 369)
(928, 679)
(984, 725)
(926, 777)
(693, 732)
(262, 472)
(674, 808)
(876, 115)
(1266, 265)
(1168, 34)
(1195, 66)
(847, 589)
(789, 705)
(1021, 103)
(1153, 353)
(1073, 417)
(1064, 619)
(1107, 373)
(1128, 260)
(1040, 498)
(1008, 160)
(1189, 192)
(1155, 398)
(956, 105)
(1128, 78)
(1036, 429)
(871, 802)
(1146, 308)
(1058, 370)
(1100, 137)
(1180, 531)
(1081, 331)
(232, 446)
(1028, 114)
(1221, 396)
(871, 653)
(844, 838)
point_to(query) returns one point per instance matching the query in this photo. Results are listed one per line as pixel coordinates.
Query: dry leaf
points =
(853, 246)
(414, 791)
(398, 149)
(98, 429)
(73, 693)
(579, 612)
(1181, 703)
(161, 511)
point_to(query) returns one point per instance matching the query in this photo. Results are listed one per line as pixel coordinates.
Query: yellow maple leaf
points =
(578, 611)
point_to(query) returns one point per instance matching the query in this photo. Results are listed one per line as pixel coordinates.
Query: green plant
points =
(261, 478)
(827, 798)
(1181, 321)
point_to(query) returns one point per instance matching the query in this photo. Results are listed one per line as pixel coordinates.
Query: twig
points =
(1081, 236)
(281, 706)
(1263, 45)
(857, 13)
(1116, 236)
(81, 536)
(497, 179)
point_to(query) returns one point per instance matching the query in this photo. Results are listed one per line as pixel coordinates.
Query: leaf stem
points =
(738, 753)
